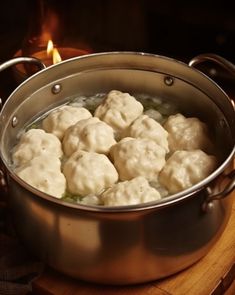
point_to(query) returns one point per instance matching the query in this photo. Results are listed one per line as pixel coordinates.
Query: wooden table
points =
(213, 274)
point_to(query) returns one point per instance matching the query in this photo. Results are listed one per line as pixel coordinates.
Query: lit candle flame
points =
(53, 52)
(56, 56)
(50, 47)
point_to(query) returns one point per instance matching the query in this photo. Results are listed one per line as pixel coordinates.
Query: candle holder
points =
(23, 71)
(46, 25)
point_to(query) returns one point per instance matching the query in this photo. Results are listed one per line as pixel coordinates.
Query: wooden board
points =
(213, 274)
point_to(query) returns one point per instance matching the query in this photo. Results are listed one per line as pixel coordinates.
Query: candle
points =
(64, 52)
(20, 71)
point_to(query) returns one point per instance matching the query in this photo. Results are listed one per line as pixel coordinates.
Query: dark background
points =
(176, 29)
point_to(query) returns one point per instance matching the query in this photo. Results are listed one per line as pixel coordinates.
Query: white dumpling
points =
(132, 192)
(154, 114)
(186, 168)
(89, 173)
(62, 118)
(91, 200)
(90, 135)
(146, 127)
(33, 143)
(43, 173)
(138, 157)
(187, 133)
(119, 110)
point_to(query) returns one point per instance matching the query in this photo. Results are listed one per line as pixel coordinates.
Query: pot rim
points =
(164, 202)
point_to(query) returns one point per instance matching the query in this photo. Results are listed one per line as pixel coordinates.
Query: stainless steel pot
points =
(132, 244)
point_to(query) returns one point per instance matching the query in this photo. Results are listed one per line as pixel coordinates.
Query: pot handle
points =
(4, 66)
(230, 68)
(17, 60)
(224, 63)
(213, 196)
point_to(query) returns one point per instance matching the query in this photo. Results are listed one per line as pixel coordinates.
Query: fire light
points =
(38, 43)
(53, 52)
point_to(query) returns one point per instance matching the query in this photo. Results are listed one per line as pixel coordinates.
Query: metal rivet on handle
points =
(222, 123)
(56, 88)
(2, 179)
(168, 81)
(208, 206)
(14, 121)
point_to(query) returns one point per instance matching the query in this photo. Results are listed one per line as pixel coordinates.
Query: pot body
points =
(117, 247)
(122, 245)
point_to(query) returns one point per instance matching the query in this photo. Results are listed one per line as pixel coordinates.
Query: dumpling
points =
(154, 114)
(90, 200)
(62, 118)
(186, 168)
(90, 135)
(89, 173)
(43, 173)
(134, 157)
(146, 127)
(33, 143)
(135, 191)
(119, 110)
(187, 134)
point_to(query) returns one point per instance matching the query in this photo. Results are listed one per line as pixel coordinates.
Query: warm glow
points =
(53, 52)
(50, 47)
(56, 56)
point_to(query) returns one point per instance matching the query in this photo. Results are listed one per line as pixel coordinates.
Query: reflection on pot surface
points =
(138, 242)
